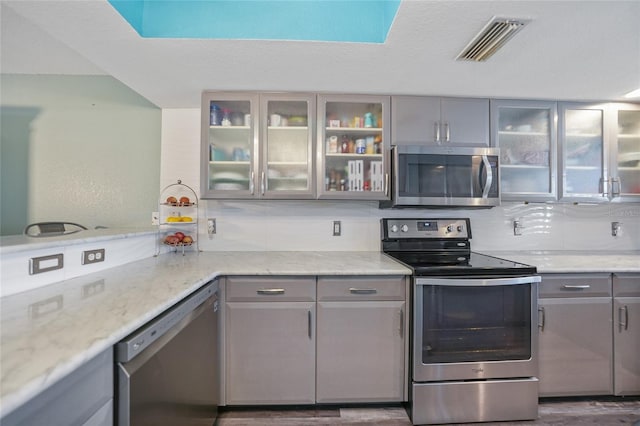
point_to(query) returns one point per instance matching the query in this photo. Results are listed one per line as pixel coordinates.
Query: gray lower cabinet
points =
(83, 398)
(361, 339)
(626, 333)
(270, 340)
(575, 339)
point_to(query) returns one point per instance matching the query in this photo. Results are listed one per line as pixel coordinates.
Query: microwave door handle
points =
(487, 185)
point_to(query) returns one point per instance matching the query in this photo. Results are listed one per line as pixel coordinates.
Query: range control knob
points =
(404, 228)
(394, 228)
(460, 228)
(449, 228)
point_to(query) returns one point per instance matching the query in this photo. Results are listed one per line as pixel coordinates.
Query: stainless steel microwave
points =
(444, 176)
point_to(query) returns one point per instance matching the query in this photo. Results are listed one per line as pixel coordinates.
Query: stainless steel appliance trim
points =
(474, 401)
(481, 370)
(158, 328)
(487, 184)
(466, 282)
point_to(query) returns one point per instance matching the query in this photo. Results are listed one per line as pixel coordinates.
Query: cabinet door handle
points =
(436, 127)
(309, 323)
(386, 184)
(576, 287)
(251, 183)
(604, 187)
(447, 132)
(262, 184)
(616, 184)
(623, 325)
(354, 290)
(402, 323)
(271, 291)
(542, 318)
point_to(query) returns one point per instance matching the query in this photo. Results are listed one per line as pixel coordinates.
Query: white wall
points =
(85, 149)
(307, 225)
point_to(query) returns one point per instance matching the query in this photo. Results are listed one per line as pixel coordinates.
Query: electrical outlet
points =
(337, 228)
(155, 218)
(211, 226)
(92, 256)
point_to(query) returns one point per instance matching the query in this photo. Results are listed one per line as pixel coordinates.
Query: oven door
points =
(475, 328)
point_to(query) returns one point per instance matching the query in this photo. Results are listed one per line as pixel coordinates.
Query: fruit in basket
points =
(172, 200)
(171, 239)
(186, 219)
(180, 235)
(187, 240)
(185, 200)
(173, 219)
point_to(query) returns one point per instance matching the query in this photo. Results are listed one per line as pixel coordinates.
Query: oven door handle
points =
(478, 282)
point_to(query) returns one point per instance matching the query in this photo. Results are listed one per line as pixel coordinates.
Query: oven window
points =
(468, 324)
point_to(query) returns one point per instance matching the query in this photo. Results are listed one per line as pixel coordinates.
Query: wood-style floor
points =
(558, 412)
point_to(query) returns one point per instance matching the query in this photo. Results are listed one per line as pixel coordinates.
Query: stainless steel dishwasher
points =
(167, 371)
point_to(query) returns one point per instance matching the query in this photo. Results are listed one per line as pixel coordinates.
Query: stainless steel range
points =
(475, 325)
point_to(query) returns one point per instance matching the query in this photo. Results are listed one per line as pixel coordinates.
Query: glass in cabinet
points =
(228, 145)
(525, 132)
(353, 147)
(625, 153)
(286, 146)
(581, 129)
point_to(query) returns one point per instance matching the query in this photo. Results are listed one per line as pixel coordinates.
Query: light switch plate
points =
(38, 265)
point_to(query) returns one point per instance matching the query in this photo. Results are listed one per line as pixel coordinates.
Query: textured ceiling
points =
(573, 50)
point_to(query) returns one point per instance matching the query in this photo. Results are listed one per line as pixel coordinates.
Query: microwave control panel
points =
(426, 228)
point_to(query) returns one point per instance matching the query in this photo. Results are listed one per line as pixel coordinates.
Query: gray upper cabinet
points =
(439, 121)
(525, 132)
(257, 145)
(625, 152)
(584, 155)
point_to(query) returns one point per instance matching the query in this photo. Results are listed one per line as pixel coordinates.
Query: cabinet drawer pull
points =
(401, 323)
(310, 325)
(576, 287)
(270, 291)
(354, 290)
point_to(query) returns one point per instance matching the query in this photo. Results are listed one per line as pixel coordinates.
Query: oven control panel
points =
(426, 228)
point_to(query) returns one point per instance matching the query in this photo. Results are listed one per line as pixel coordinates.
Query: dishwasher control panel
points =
(142, 338)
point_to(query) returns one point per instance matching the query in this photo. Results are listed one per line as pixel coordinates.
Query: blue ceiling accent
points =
(359, 21)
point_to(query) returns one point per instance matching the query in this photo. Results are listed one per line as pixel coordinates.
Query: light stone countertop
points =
(81, 317)
(575, 261)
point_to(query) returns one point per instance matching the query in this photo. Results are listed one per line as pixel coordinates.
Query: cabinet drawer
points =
(361, 288)
(575, 285)
(626, 285)
(271, 289)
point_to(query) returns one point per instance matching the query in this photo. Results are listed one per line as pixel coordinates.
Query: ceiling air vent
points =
(493, 36)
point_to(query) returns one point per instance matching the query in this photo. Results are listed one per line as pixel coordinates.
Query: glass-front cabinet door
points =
(581, 129)
(625, 152)
(525, 132)
(286, 164)
(353, 147)
(229, 135)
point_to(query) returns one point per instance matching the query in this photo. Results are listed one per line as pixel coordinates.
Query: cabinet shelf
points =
(354, 130)
(629, 136)
(230, 162)
(229, 128)
(523, 166)
(287, 163)
(345, 155)
(289, 128)
(516, 133)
